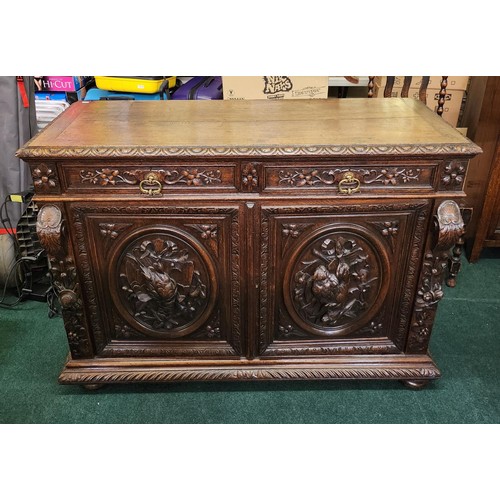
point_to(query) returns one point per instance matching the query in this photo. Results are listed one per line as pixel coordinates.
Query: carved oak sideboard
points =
(248, 240)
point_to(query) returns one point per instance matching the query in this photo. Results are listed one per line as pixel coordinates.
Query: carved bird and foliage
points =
(333, 287)
(162, 285)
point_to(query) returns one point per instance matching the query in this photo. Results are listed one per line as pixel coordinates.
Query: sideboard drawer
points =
(133, 179)
(339, 178)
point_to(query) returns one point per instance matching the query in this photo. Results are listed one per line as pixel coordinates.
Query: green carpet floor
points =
(465, 345)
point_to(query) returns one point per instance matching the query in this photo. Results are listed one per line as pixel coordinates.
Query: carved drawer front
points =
(345, 179)
(151, 180)
(161, 281)
(338, 279)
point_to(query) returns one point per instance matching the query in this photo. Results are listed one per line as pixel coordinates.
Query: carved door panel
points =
(338, 279)
(160, 281)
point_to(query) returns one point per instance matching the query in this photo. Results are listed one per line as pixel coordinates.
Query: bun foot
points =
(415, 384)
(92, 387)
(451, 282)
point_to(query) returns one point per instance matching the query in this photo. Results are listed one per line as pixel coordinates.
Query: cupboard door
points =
(160, 281)
(338, 279)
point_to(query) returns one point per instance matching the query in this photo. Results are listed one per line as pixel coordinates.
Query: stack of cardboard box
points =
(455, 93)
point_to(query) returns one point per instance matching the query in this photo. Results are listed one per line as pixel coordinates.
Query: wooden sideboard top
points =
(338, 127)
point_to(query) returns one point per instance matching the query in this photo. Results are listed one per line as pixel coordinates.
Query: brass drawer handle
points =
(349, 184)
(150, 185)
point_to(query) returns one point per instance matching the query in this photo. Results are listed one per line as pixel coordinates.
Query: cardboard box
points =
(60, 83)
(452, 105)
(454, 82)
(275, 87)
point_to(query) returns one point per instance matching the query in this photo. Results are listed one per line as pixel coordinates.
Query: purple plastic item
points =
(200, 87)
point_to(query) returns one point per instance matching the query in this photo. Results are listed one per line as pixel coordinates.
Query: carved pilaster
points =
(51, 233)
(449, 227)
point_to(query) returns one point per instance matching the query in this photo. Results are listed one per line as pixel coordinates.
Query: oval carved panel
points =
(164, 283)
(337, 280)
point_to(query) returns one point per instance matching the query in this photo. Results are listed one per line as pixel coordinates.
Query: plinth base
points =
(416, 370)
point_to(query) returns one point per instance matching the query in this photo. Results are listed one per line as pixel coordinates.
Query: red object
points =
(22, 91)
(4, 231)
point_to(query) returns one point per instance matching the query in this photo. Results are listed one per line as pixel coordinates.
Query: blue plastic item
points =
(96, 94)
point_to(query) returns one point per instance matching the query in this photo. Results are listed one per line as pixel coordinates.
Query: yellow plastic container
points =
(140, 84)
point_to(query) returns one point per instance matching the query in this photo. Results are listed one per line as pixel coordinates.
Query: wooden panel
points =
(167, 278)
(334, 273)
(487, 231)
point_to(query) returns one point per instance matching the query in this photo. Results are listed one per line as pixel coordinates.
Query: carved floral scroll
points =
(449, 227)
